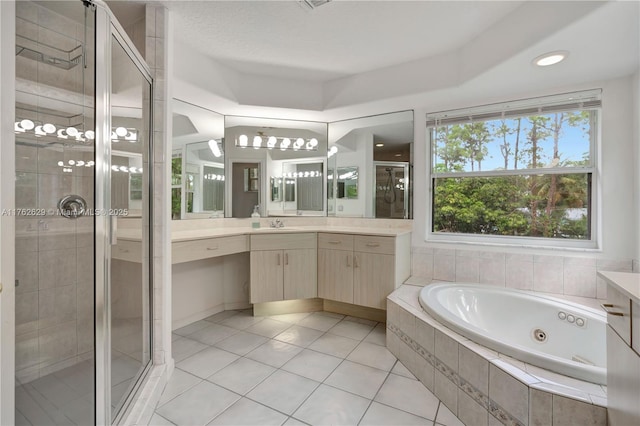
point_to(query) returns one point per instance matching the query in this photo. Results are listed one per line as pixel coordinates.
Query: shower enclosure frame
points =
(107, 26)
(7, 222)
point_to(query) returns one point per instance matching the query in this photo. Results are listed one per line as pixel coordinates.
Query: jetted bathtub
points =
(545, 331)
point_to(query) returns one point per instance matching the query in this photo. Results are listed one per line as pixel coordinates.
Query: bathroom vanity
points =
(328, 264)
(623, 347)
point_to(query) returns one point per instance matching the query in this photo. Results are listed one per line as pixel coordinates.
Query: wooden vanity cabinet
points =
(335, 267)
(623, 349)
(361, 269)
(283, 267)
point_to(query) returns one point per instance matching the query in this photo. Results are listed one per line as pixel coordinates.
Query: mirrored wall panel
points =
(278, 165)
(370, 166)
(198, 169)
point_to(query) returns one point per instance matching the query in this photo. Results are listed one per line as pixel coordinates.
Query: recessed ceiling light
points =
(379, 145)
(550, 58)
(398, 155)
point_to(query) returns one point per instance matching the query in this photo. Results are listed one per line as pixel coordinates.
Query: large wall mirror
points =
(198, 173)
(225, 166)
(370, 166)
(278, 165)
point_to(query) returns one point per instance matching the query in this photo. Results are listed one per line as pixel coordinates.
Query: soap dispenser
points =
(255, 217)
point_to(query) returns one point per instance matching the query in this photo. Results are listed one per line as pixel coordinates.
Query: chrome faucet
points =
(277, 223)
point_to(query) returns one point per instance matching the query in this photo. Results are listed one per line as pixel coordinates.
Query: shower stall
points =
(391, 197)
(83, 166)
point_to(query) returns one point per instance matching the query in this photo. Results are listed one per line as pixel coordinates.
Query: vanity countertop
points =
(198, 234)
(627, 282)
(227, 232)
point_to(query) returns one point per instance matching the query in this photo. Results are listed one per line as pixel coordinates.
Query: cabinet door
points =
(623, 381)
(335, 275)
(300, 274)
(266, 276)
(373, 279)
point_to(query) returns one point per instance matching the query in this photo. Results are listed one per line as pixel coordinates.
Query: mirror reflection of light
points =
(215, 149)
(243, 140)
(257, 142)
(27, 124)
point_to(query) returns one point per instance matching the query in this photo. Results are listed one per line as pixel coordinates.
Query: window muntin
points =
(527, 176)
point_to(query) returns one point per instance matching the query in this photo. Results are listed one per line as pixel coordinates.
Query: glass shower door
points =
(55, 153)
(129, 293)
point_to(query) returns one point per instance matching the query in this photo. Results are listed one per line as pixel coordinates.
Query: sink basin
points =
(283, 229)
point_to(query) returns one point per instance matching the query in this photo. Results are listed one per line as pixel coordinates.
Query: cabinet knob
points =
(373, 244)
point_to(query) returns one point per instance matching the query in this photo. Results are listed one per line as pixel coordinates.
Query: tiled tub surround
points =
(480, 386)
(571, 275)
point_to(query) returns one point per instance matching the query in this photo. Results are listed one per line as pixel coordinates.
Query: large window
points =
(523, 169)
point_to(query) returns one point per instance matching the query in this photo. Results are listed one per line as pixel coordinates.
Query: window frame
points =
(595, 142)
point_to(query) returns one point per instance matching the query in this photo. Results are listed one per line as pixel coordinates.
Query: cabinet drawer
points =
(620, 304)
(335, 241)
(374, 244)
(284, 241)
(187, 251)
(130, 251)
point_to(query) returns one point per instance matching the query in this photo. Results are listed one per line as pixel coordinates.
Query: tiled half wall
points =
(568, 275)
(478, 386)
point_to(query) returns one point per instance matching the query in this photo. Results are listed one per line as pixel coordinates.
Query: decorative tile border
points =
(478, 396)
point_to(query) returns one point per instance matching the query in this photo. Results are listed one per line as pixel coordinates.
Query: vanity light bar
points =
(212, 176)
(298, 175)
(126, 169)
(47, 129)
(272, 142)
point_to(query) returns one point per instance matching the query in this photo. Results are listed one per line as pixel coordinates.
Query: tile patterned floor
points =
(317, 369)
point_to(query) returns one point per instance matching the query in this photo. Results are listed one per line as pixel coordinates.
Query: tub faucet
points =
(277, 223)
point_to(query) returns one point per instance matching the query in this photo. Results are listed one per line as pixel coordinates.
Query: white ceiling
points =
(338, 39)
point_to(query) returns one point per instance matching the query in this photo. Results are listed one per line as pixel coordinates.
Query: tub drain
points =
(539, 335)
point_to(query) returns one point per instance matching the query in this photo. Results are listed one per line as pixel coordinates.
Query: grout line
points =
(343, 359)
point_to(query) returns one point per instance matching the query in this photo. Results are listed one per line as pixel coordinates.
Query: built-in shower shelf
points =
(47, 54)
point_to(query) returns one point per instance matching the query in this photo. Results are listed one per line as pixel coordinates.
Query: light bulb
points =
(299, 142)
(124, 168)
(90, 134)
(61, 163)
(257, 142)
(27, 124)
(80, 163)
(114, 168)
(71, 162)
(72, 131)
(49, 128)
(243, 140)
(313, 142)
(121, 131)
(286, 142)
(271, 142)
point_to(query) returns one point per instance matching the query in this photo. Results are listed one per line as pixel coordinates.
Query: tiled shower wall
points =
(54, 263)
(568, 275)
